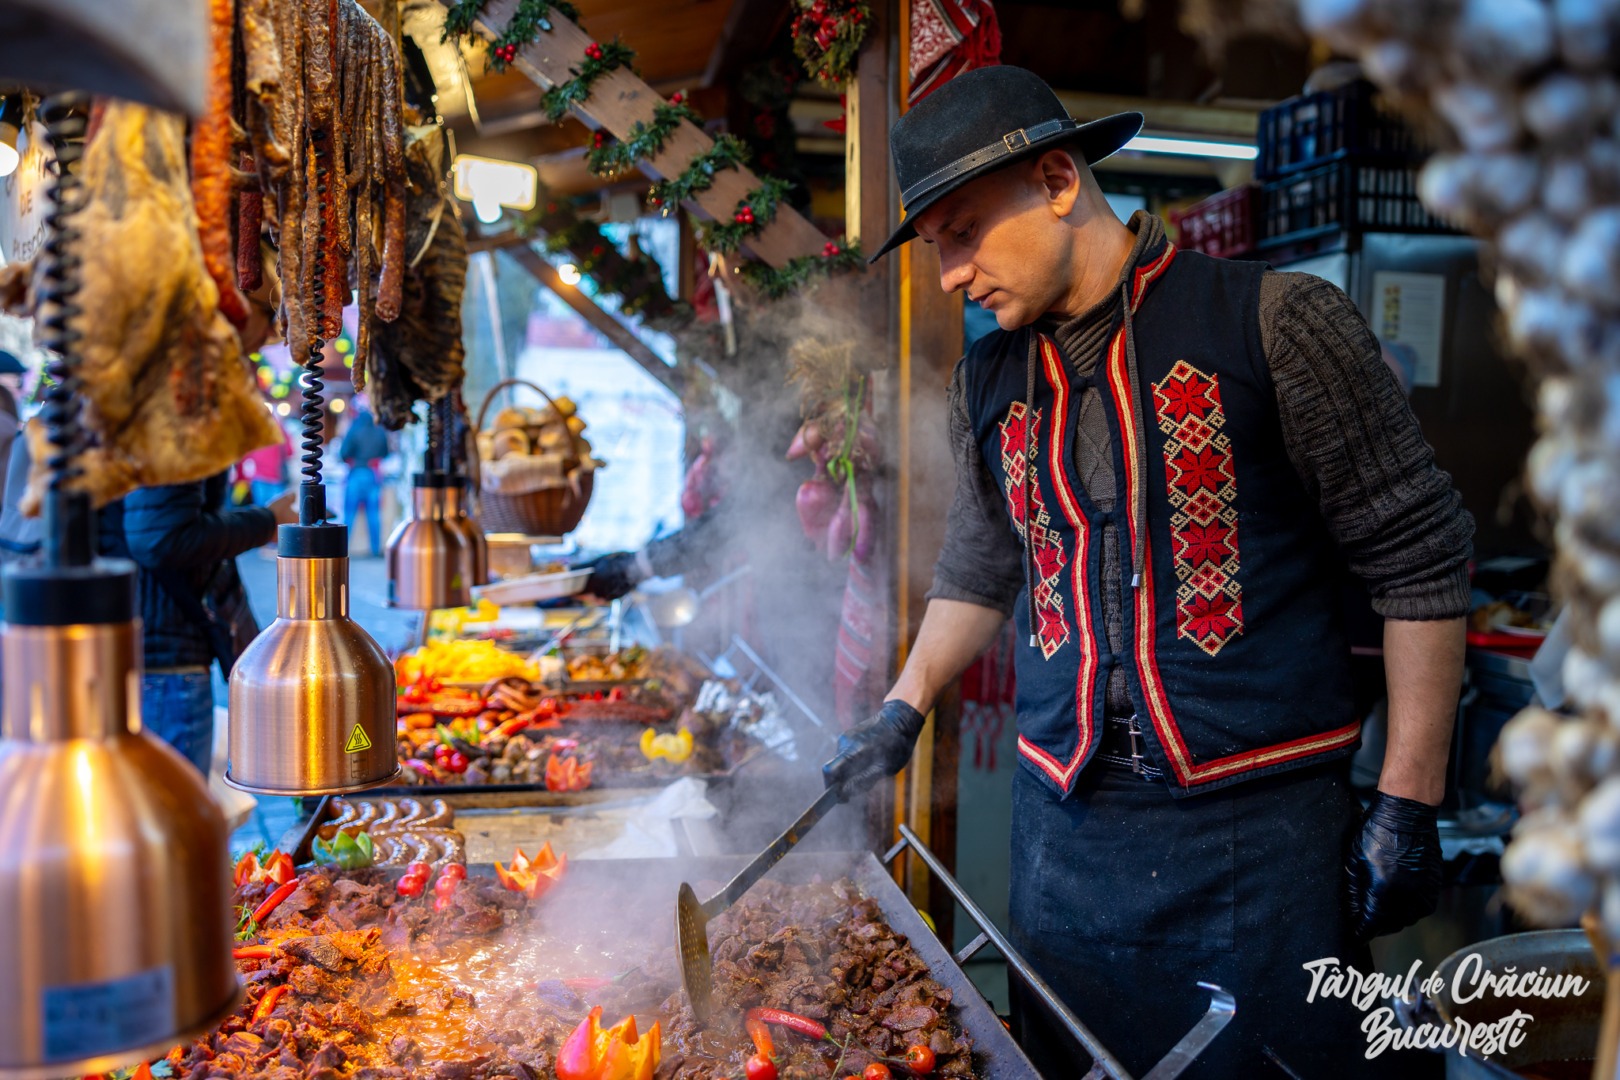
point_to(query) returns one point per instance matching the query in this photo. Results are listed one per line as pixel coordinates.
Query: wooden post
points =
(930, 342)
(871, 208)
(619, 99)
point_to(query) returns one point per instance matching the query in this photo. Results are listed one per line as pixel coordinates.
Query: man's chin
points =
(1012, 317)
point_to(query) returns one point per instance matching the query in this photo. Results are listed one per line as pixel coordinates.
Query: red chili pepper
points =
(761, 1035)
(815, 1029)
(267, 1003)
(273, 901)
(254, 952)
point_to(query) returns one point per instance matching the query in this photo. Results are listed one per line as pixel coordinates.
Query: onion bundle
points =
(1527, 91)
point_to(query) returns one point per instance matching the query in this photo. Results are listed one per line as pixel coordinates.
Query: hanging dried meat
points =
(167, 395)
(324, 116)
(419, 355)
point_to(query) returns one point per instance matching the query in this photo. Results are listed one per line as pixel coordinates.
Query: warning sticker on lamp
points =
(358, 741)
(86, 1019)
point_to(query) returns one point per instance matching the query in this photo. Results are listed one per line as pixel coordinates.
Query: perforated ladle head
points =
(692, 918)
(692, 941)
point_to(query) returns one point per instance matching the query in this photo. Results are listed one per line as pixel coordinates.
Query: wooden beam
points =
(615, 331)
(619, 99)
(750, 27)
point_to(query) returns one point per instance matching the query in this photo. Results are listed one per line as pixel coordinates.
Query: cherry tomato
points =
(457, 762)
(877, 1071)
(759, 1067)
(920, 1059)
(454, 870)
(446, 885)
(411, 885)
(442, 901)
(420, 869)
(617, 694)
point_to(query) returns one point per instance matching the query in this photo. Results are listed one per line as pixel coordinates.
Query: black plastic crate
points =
(1346, 122)
(1350, 195)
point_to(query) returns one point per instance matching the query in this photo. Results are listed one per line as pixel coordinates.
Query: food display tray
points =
(996, 1054)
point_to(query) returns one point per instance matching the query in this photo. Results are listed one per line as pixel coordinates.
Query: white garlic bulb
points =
(1546, 877)
(1532, 244)
(1550, 461)
(1563, 107)
(1600, 827)
(1591, 266)
(1569, 190)
(1345, 24)
(1586, 32)
(1484, 115)
(1502, 39)
(1525, 746)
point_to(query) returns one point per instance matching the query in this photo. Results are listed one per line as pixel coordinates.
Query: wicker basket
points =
(545, 511)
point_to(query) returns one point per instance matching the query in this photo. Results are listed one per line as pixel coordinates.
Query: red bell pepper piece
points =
(273, 901)
(568, 773)
(143, 1071)
(247, 868)
(532, 877)
(279, 868)
(267, 1004)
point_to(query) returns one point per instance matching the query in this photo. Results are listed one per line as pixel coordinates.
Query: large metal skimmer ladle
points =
(692, 918)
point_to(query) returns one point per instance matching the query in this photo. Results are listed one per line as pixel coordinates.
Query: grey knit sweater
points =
(1350, 435)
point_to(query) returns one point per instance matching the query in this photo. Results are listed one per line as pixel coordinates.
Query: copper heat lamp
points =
(115, 913)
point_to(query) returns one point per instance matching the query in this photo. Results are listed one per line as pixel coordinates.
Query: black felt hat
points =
(981, 121)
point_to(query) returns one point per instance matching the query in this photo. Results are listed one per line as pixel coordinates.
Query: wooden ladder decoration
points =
(619, 99)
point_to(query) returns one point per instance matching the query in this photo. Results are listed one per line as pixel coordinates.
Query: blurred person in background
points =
(364, 446)
(194, 612)
(265, 469)
(10, 423)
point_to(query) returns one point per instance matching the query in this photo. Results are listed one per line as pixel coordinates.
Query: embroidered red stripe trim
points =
(1187, 771)
(1086, 681)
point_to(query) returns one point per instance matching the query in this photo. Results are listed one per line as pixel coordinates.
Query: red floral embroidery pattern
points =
(1052, 628)
(1203, 522)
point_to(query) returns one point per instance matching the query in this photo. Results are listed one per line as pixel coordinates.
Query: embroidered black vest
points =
(1234, 648)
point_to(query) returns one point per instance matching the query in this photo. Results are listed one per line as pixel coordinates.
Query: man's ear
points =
(1059, 177)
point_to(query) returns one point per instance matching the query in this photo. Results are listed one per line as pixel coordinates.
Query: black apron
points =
(1124, 898)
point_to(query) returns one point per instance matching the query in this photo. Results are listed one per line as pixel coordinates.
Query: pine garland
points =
(753, 213)
(638, 283)
(728, 152)
(827, 38)
(608, 158)
(775, 284)
(599, 60)
(531, 18)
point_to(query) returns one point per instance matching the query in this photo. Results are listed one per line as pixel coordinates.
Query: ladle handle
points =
(771, 855)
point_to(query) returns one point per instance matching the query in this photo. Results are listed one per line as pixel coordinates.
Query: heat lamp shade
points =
(116, 923)
(312, 698)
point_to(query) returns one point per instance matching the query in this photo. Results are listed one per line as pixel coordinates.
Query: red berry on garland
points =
(855, 17)
(830, 250)
(824, 36)
(655, 200)
(596, 252)
(594, 51)
(676, 98)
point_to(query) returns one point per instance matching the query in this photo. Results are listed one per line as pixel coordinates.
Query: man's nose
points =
(955, 275)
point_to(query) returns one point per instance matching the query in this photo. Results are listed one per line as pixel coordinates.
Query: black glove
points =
(1393, 866)
(613, 576)
(873, 749)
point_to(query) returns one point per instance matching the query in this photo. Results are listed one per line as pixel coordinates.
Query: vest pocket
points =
(1122, 862)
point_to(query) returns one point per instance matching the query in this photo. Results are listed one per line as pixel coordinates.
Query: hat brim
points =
(1096, 140)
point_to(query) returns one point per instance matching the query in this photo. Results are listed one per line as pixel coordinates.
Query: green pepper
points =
(346, 852)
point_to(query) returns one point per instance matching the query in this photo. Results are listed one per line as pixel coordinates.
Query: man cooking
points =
(1164, 461)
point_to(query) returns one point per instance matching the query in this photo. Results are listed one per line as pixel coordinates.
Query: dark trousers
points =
(1124, 898)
